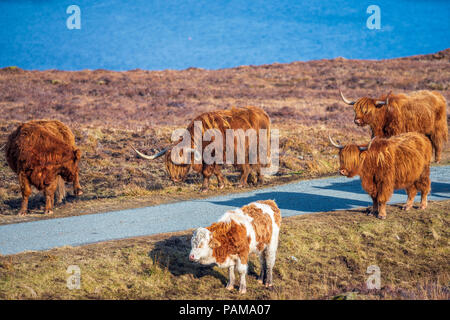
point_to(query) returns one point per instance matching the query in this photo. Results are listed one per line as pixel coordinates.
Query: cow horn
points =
(339, 146)
(157, 155)
(345, 100)
(379, 103)
(368, 146)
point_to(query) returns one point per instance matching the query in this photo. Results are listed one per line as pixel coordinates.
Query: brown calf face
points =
(349, 160)
(177, 172)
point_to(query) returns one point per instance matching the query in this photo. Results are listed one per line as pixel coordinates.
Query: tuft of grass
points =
(320, 256)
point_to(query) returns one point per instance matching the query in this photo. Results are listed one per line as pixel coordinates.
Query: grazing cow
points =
(43, 154)
(228, 242)
(399, 162)
(421, 111)
(221, 120)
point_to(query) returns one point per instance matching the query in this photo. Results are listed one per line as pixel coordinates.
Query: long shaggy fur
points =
(399, 162)
(43, 153)
(421, 111)
(235, 118)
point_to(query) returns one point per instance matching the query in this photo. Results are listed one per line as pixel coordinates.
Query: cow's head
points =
(366, 109)
(202, 245)
(178, 169)
(69, 168)
(349, 158)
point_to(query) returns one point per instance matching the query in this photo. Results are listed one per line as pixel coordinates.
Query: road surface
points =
(297, 198)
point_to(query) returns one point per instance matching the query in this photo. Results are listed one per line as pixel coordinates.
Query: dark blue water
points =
(168, 34)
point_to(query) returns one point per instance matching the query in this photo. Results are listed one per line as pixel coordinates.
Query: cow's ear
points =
(214, 243)
(77, 154)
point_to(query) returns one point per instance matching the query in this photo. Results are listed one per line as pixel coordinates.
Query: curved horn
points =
(345, 100)
(339, 146)
(157, 155)
(368, 146)
(379, 103)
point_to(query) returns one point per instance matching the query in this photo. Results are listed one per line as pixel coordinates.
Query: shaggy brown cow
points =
(399, 162)
(235, 118)
(43, 153)
(420, 111)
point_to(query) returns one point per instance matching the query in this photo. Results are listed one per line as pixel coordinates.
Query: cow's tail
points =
(60, 193)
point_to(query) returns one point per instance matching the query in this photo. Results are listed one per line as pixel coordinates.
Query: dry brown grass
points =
(108, 110)
(321, 256)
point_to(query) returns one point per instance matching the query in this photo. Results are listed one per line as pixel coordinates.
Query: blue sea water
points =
(176, 34)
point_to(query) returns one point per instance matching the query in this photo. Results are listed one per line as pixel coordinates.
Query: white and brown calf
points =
(253, 228)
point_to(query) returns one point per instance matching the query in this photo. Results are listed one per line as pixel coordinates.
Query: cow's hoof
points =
(381, 217)
(22, 212)
(79, 192)
(229, 287)
(260, 281)
(269, 286)
(406, 207)
(243, 291)
(221, 186)
(204, 190)
(48, 212)
(423, 207)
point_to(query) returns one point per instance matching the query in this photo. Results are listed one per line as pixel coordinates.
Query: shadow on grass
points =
(173, 253)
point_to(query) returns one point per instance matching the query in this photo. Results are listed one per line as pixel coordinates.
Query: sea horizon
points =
(175, 35)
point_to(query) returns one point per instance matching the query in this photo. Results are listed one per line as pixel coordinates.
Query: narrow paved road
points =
(293, 199)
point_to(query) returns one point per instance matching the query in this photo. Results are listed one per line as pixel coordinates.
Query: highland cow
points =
(253, 228)
(43, 154)
(386, 164)
(220, 120)
(421, 111)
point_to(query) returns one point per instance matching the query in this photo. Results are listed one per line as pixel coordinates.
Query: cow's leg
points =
(411, 191)
(437, 140)
(25, 188)
(384, 194)
(262, 260)
(260, 175)
(76, 186)
(60, 190)
(424, 185)
(219, 175)
(242, 270)
(374, 209)
(207, 173)
(271, 253)
(245, 171)
(49, 193)
(230, 284)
